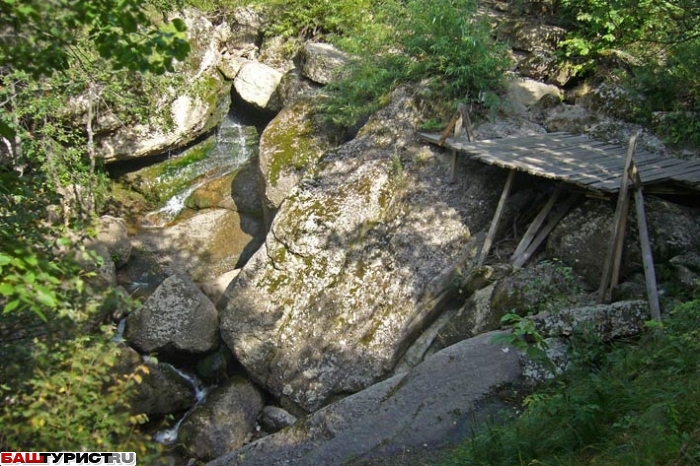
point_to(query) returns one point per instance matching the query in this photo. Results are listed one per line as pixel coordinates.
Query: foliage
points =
(638, 405)
(75, 399)
(115, 27)
(315, 19)
(656, 45)
(68, 69)
(524, 337)
(442, 42)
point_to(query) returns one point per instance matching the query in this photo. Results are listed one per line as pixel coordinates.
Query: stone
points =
(205, 245)
(438, 402)
(523, 93)
(214, 289)
(246, 29)
(321, 62)
(570, 118)
(98, 259)
(176, 318)
(162, 391)
(606, 321)
(236, 191)
(256, 83)
(195, 105)
(294, 86)
(530, 37)
(583, 234)
(112, 232)
(291, 144)
(225, 421)
(359, 260)
(274, 419)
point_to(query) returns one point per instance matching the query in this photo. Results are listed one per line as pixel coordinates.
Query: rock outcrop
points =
(195, 102)
(359, 258)
(291, 144)
(436, 403)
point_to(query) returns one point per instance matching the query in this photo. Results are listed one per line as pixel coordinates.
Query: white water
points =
(119, 334)
(233, 146)
(169, 436)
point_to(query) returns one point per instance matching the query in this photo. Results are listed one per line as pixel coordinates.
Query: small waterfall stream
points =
(234, 143)
(169, 436)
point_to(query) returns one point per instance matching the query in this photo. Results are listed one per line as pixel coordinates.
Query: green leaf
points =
(6, 289)
(11, 306)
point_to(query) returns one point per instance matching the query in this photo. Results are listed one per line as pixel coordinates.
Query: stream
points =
(233, 144)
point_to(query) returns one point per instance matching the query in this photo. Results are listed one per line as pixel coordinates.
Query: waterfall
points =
(233, 144)
(169, 436)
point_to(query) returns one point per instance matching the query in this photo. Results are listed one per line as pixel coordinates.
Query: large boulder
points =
(321, 62)
(177, 318)
(162, 391)
(194, 103)
(584, 234)
(207, 244)
(359, 259)
(256, 83)
(291, 144)
(436, 403)
(224, 422)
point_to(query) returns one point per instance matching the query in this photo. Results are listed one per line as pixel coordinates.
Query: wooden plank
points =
(496, 219)
(536, 223)
(647, 257)
(658, 164)
(618, 233)
(544, 232)
(668, 173)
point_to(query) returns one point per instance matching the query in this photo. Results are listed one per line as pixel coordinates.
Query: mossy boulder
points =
(291, 144)
(359, 259)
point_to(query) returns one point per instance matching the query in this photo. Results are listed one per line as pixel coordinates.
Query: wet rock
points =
(224, 422)
(236, 191)
(162, 391)
(176, 318)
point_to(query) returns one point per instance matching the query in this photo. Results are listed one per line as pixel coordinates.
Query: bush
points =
(441, 42)
(639, 405)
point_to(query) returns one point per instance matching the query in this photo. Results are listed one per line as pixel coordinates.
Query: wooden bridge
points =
(586, 163)
(577, 160)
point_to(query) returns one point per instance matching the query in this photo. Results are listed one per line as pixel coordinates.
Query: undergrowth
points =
(631, 404)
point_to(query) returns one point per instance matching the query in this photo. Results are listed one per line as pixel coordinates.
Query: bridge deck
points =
(574, 159)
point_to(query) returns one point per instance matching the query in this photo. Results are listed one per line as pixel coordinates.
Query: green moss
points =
(294, 148)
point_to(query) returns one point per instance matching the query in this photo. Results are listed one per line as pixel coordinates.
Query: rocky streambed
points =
(323, 287)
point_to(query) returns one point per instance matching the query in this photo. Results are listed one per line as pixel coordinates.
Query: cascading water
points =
(169, 436)
(234, 143)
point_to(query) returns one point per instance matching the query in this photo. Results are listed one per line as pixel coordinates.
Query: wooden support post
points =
(618, 231)
(453, 165)
(647, 257)
(536, 224)
(544, 232)
(496, 219)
